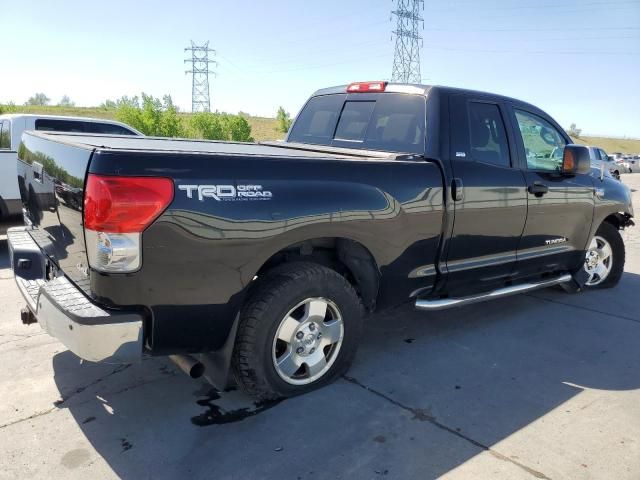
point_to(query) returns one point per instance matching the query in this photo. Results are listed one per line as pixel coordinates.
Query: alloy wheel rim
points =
(307, 341)
(598, 261)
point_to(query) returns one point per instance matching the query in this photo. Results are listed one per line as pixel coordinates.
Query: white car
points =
(11, 128)
(599, 156)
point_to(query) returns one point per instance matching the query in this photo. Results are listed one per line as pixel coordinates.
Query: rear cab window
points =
(391, 122)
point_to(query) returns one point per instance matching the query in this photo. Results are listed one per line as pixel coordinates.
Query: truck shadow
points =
(426, 393)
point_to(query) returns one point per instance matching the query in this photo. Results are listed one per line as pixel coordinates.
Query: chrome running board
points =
(443, 303)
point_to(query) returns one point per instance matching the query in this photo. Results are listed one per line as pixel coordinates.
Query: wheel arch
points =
(618, 220)
(348, 257)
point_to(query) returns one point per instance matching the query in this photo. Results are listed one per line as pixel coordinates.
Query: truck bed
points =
(170, 145)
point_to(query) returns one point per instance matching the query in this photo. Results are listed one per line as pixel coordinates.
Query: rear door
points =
(491, 203)
(560, 208)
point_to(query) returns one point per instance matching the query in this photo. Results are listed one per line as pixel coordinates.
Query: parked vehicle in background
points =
(600, 157)
(11, 128)
(623, 166)
(631, 161)
(256, 263)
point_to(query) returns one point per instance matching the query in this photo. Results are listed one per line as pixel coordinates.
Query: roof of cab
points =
(420, 89)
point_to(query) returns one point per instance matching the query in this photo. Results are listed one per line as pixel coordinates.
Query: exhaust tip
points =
(189, 365)
(197, 370)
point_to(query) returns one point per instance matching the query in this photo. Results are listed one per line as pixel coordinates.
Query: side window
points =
(603, 156)
(488, 137)
(543, 143)
(106, 128)
(5, 134)
(54, 125)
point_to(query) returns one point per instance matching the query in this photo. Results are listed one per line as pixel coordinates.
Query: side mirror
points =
(575, 160)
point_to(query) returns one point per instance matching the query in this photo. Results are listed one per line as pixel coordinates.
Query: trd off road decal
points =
(226, 192)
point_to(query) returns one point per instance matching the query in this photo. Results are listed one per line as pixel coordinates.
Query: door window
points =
(488, 137)
(5, 135)
(543, 143)
(603, 156)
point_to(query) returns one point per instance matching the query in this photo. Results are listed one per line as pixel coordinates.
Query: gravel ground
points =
(544, 385)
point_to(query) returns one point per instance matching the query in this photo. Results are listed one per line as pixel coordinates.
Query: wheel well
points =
(347, 257)
(618, 220)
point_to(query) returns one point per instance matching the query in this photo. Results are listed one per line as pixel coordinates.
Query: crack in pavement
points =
(59, 406)
(589, 309)
(30, 417)
(120, 368)
(423, 416)
(20, 337)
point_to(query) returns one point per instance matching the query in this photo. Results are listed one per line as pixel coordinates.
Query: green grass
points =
(264, 128)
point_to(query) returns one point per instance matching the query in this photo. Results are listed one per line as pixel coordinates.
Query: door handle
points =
(538, 189)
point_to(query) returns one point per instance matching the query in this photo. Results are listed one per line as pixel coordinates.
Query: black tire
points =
(612, 235)
(616, 175)
(268, 304)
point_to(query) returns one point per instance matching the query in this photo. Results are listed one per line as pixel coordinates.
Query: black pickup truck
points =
(257, 263)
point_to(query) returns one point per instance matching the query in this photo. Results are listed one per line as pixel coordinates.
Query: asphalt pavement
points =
(542, 385)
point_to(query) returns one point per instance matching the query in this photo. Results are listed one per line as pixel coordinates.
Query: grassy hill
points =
(264, 128)
(610, 145)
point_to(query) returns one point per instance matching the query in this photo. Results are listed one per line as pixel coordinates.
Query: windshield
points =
(389, 122)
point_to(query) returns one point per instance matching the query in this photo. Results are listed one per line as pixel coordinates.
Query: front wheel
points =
(604, 261)
(298, 331)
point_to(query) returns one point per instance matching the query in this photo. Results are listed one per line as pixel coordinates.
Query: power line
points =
(200, 99)
(406, 59)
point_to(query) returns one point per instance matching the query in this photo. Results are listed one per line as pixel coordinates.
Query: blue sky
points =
(578, 60)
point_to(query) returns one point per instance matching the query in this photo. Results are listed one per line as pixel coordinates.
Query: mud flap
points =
(577, 282)
(217, 365)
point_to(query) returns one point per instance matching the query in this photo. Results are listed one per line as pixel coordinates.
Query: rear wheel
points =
(604, 261)
(298, 331)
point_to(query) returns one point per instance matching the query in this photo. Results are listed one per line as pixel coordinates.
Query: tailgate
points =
(51, 178)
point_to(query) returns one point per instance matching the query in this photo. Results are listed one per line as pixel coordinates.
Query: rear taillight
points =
(116, 212)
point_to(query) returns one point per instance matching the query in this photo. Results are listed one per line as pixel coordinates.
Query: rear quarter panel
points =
(200, 256)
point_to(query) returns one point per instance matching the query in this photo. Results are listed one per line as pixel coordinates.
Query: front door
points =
(560, 208)
(491, 207)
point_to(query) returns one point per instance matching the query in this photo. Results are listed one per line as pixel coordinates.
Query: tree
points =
(108, 105)
(284, 120)
(207, 125)
(574, 131)
(65, 101)
(8, 108)
(153, 116)
(39, 99)
(236, 128)
(220, 126)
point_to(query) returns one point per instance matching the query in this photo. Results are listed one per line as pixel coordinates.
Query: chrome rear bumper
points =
(64, 312)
